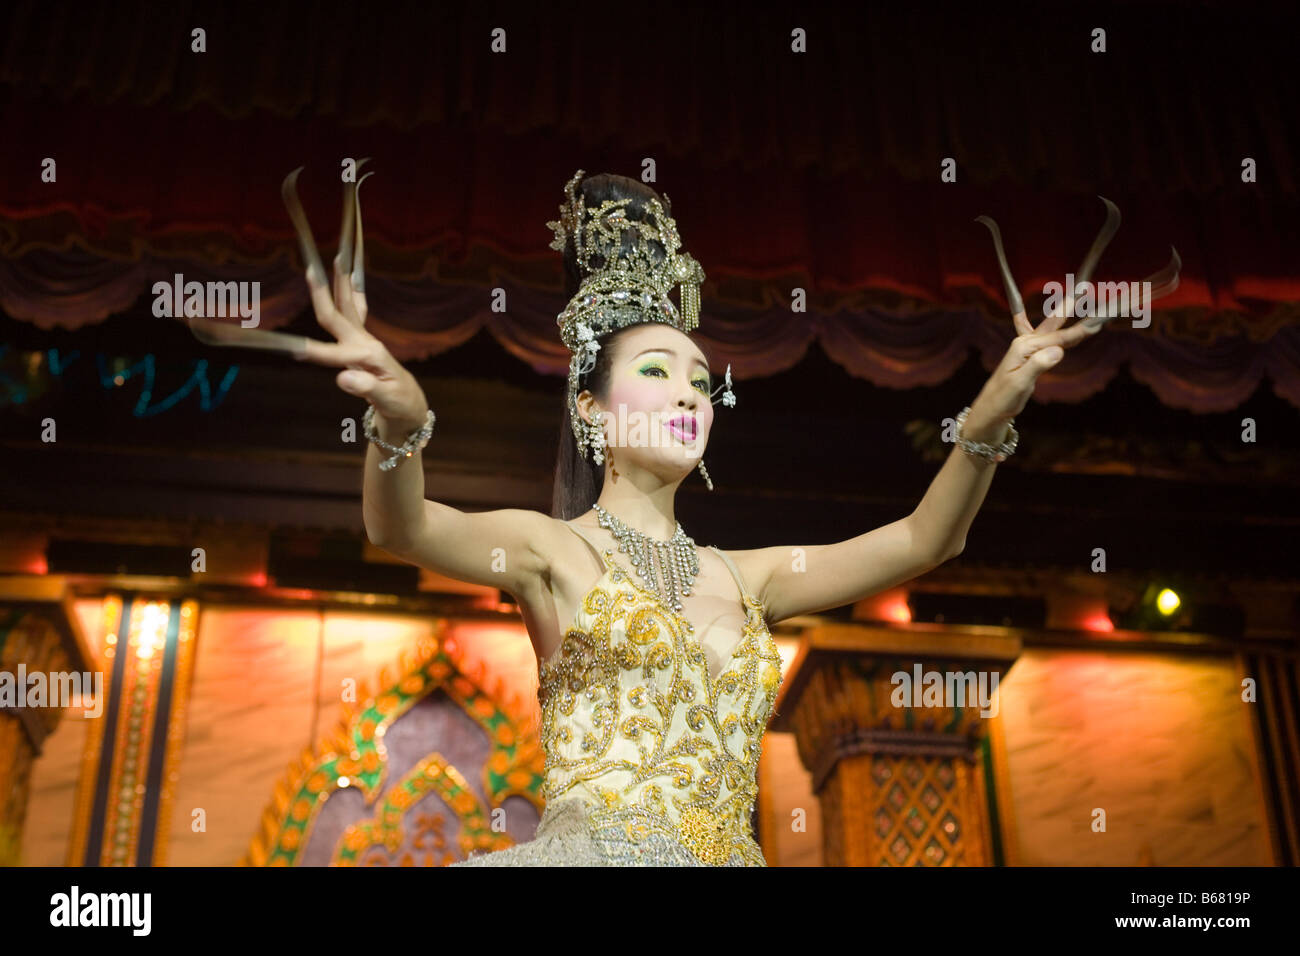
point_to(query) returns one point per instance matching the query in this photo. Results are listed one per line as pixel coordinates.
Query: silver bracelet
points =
(414, 442)
(995, 453)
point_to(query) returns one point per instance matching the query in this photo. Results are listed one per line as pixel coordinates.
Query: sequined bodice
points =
(634, 725)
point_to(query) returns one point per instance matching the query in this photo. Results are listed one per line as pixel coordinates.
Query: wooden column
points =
(902, 771)
(39, 635)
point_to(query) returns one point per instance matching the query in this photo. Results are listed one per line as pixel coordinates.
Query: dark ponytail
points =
(578, 480)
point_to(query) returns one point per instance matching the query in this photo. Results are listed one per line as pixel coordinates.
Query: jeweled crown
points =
(631, 284)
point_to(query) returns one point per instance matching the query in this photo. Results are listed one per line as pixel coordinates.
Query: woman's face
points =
(659, 399)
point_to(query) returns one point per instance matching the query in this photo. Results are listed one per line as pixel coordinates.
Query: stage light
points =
(1100, 623)
(1190, 608)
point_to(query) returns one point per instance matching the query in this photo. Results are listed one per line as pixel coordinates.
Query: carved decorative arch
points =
(353, 755)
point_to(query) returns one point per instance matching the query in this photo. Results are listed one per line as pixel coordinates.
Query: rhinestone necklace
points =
(677, 556)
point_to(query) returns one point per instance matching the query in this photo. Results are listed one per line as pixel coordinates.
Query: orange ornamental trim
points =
(353, 754)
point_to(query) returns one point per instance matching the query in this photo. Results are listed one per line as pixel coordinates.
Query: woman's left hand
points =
(1032, 352)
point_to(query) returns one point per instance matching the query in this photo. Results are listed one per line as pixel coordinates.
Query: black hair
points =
(578, 480)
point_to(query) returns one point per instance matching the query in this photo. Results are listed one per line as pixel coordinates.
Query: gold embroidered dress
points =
(650, 758)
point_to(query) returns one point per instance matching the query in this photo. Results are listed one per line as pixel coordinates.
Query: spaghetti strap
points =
(744, 591)
(604, 563)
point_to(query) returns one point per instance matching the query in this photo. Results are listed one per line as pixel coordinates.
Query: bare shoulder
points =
(554, 539)
(561, 552)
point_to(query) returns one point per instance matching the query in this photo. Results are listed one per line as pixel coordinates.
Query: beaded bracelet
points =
(994, 453)
(414, 442)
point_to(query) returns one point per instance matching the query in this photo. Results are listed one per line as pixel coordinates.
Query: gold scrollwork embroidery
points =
(623, 674)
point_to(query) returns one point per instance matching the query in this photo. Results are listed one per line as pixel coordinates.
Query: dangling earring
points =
(705, 472)
(596, 441)
(728, 397)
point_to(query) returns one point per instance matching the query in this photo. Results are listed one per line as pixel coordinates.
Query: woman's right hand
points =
(369, 370)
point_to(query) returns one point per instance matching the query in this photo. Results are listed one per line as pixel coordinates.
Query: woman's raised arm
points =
(503, 548)
(794, 580)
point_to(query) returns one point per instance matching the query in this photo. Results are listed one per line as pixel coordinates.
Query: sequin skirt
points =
(566, 836)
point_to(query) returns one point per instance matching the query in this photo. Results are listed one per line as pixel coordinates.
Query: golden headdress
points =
(629, 286)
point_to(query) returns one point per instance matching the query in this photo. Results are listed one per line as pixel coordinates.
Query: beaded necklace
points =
(677, 557)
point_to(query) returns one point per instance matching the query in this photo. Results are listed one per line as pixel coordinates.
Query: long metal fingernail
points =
(359, 259)
(1108, 230)
(223, 333)
(1166, 280)
(1013, 294)
(289, 193)
(343, 259)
